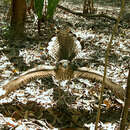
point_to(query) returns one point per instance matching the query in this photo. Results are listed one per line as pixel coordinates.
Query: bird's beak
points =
(65, 65)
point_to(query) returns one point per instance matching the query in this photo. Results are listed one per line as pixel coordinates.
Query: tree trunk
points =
(88, 7)
(18, 14)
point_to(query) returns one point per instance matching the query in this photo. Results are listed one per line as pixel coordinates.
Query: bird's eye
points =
(68, 63)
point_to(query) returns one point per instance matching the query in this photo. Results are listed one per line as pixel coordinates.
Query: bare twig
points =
(106, 61)
(126, 105)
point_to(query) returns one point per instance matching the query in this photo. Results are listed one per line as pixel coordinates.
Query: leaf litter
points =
(39, 104)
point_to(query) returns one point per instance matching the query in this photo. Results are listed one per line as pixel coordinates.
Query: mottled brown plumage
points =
(64, 46)
(64, 70)
(64, 50)
(67, 45)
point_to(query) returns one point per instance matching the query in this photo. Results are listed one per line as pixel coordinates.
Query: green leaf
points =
(51, 8)
(38, 7)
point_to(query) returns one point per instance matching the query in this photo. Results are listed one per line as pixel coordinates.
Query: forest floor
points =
(34, 106)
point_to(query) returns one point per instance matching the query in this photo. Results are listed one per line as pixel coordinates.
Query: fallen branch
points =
(87, 15)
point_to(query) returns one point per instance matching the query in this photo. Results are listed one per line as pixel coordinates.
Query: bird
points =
(62, 71)
(64, 51)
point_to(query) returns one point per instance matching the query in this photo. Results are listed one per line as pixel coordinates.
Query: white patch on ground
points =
(30, 55)
(7, 120)
(6, 100)
(63, 83)
(104, 126)
(87, 82)
(2, 91)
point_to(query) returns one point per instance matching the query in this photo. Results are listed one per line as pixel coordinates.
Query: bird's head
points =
(63, 64)
(64, 70)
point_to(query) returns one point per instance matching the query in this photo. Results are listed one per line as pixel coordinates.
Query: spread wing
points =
(24, 79)
(95, 75)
